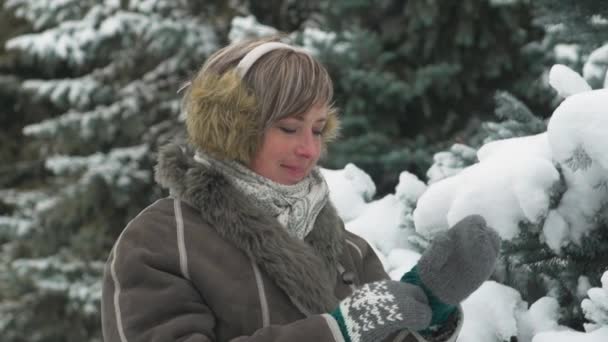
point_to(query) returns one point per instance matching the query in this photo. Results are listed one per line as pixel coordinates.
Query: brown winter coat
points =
(207, 265)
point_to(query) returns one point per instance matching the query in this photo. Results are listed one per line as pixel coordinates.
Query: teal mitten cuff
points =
(440, 310)
(337, 315)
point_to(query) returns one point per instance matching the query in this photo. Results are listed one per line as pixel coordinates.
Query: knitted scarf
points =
(295, 206)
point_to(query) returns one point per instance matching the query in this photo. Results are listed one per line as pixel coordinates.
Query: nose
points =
(307, 146)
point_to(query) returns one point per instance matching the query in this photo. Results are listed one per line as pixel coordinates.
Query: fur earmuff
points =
(331, 131)
(221, 117)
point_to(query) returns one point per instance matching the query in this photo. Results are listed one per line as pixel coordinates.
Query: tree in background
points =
(562, 254)
(97, 83)
(583, 22)
(411, 75)
(532, 266)
(515, 120)
(11, 122)
(580, 28)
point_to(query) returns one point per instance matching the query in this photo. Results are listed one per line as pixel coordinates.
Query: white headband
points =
(252, 56)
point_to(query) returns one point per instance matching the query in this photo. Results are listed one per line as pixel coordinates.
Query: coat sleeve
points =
(370, 266)
(145, 297)
(314, 328)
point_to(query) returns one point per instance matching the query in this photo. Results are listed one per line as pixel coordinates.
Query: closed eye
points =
(287, 130)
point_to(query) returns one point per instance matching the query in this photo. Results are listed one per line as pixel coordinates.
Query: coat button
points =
(348, 278)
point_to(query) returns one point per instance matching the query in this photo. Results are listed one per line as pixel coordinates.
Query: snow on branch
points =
(77, 93)
(596, 306)
(85, 42)
(516, 179)
(46, 13)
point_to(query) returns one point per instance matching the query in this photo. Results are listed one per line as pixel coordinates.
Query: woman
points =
(249, 248)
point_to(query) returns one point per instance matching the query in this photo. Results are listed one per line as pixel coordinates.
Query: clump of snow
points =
(312, 37)
(566, 53)
(595, 68)
(42, 14)
(543, 315)
(566, 81)
(598, 20)
(555, 230)
(248, 27)
(491, 314)
(430, 216)
(600, 335)
(75, 93)
(583, 286)
(399, 261)
(516, 179)
(385, 223)
(55, 275)
(87, 125)
(410, 188)
(498, 3)
(46, 204)
(119, 167)
(533, 146)
(497, 313)
(379, 224)
(449, 163)
(577, 130)
(504, 190)
(79, 42)
(11, 227)
(595, 307)
(349, 190)
(577, 136)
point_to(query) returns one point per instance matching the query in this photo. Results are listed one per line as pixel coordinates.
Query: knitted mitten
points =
(456, 263)
(376, 310)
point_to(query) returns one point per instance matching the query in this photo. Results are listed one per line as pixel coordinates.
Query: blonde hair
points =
(227, 114)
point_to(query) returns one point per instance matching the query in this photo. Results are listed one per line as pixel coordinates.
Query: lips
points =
(295, 170)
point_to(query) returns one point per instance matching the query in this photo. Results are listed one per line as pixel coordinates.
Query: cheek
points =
(319, 149)
(275, 151)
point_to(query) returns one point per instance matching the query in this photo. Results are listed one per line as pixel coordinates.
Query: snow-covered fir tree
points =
(595, 307)
(411, 74)
(580, 22)
(104, 76)
(515, 120)
(546, 194)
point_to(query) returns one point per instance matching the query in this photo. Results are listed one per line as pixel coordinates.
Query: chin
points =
(288, 178)
(290, 181)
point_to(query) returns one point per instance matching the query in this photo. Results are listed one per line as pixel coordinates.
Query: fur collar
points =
(300, 268)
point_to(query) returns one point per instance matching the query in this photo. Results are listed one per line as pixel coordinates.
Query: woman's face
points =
(291, 147)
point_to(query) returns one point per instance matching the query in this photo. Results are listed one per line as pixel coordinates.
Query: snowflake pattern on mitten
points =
(378, 309)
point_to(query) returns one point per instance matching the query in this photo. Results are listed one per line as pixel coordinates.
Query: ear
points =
(220, 116)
